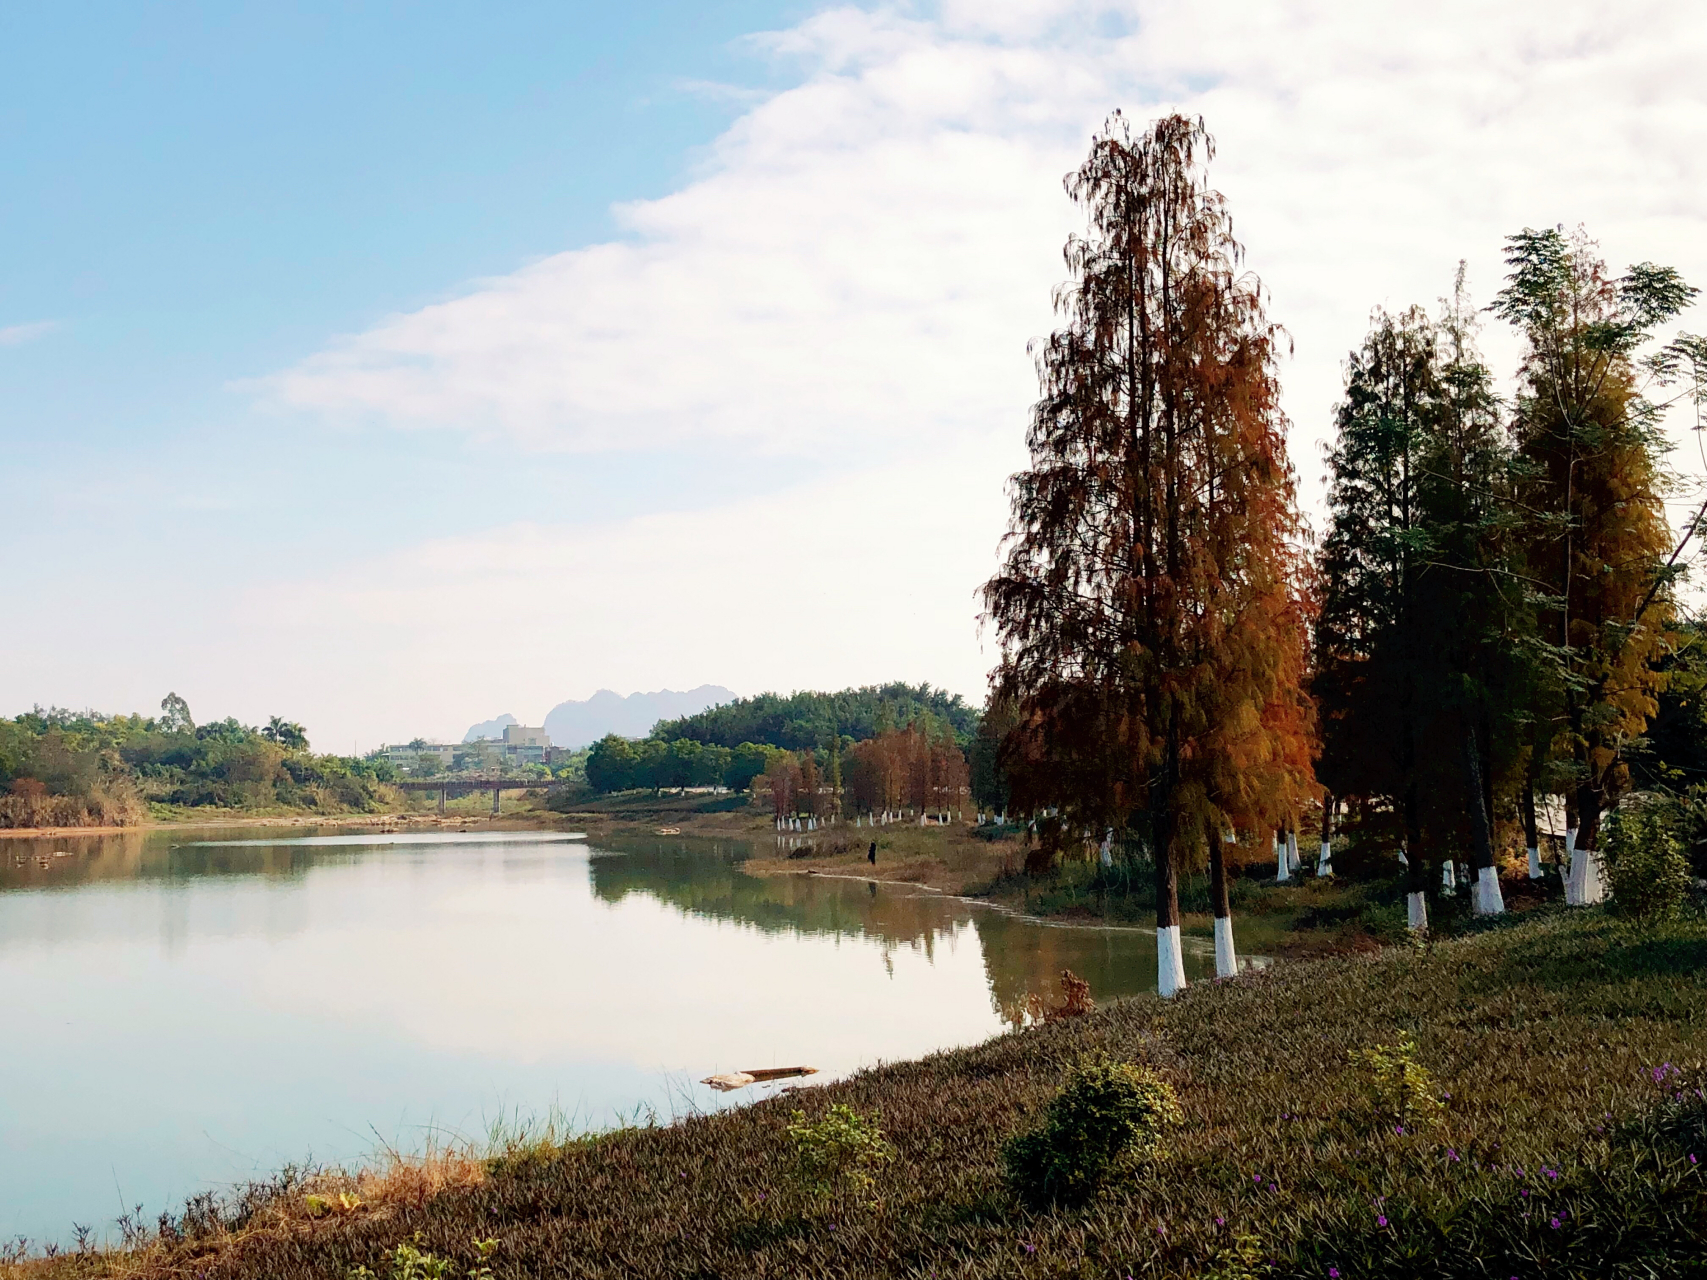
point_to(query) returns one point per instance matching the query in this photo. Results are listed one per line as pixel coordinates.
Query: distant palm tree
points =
(286, 733)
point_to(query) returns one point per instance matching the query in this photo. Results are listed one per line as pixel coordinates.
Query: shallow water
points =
(184, 1011)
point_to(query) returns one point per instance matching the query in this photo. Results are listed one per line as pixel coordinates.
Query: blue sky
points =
(200, 194)
(391, 367)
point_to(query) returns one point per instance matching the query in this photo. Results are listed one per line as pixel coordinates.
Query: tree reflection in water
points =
(1022, 956)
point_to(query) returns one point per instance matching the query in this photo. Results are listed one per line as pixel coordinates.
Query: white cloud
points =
(851, 580)
(17, 334)
(865, 255)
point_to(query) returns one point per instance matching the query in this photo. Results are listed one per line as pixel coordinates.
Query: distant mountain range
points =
(490, 728)
(580, 724)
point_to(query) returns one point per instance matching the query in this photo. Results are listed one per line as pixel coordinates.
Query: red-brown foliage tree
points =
(1151, 607)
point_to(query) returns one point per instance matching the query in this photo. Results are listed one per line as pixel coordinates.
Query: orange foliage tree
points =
(1151, 607)
(907, 767)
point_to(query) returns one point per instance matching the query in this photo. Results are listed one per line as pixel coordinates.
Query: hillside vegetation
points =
(1533, 1108)
(68, 769)
(799, 721)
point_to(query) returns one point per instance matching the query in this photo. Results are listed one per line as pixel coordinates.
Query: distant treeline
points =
(64, 768)
(807, 720)
(617, 764)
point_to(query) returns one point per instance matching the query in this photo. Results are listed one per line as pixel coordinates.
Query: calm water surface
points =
(186, 1010)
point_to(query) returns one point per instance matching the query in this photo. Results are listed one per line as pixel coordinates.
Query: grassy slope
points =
(1539, 1031)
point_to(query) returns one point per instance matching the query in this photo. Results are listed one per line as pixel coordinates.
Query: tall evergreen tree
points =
(1598, 545)
(1417, 662)
(1149, 607)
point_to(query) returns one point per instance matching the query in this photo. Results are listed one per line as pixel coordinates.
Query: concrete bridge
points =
(462, 786)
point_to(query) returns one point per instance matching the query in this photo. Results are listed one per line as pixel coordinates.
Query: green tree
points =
(1421, 671)
(1599, 542)
(175, 715)
(611, 764)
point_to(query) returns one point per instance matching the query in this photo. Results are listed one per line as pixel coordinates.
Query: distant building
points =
(429, 755)
(519, 745)
(525, 745)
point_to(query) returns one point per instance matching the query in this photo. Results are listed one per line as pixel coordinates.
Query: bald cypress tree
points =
(1149, 605)
(1599, 546)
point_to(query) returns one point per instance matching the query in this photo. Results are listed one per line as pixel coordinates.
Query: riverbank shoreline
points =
(1574, 1153)
(239, 819)
(1307, 918)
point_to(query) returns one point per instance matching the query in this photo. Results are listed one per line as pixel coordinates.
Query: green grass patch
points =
(1524, 1101)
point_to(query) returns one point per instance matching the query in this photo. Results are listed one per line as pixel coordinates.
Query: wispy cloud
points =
(722, 91)
(16, 335)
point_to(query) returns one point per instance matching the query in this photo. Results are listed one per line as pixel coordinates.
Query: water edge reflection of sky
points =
(188, 1012)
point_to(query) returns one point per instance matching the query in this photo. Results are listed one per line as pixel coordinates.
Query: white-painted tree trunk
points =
(1586, 886)
(1292, 861)
(1324, 864)
(1170, 961)
(1226, 959)
(1534, 863)
(1594, 886)
(1416, 910)
(1107, 850)
(1403, 860)
(1490, 900)
(1285, 872)
(1571, 858)
(1447, 880)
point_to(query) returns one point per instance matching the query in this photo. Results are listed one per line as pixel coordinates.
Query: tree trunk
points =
(1531, 829)
(1226, 958)
(1170, 961)
(1416, 872)
(1324, 864)
(1585, 885)
(1485, 889)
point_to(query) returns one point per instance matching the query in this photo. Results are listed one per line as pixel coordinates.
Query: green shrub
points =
(843, 1151)
(1397, 1086)
(410, 1262)
(1108, 1117)
(1645, 866)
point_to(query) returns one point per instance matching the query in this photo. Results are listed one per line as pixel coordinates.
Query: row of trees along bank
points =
(1491, 606)
(919, 767)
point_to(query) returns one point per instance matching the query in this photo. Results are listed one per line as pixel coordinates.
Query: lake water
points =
(185, 1010)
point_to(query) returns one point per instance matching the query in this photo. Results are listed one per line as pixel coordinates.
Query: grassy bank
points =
(1564, 1147)
(1306, 918)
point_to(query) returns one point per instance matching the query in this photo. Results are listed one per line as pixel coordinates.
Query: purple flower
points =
(1555, 1224)
(1256, 1177)
(1452, 1153)
(1381, 1220)
(1399, 1129)
(1031, 1248)
(1221, 1222)
(1333, 1273)
(1523, 1193)
(1691, 1159)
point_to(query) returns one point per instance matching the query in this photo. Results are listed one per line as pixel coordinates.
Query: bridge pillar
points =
(495, 794)
(441, 800)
